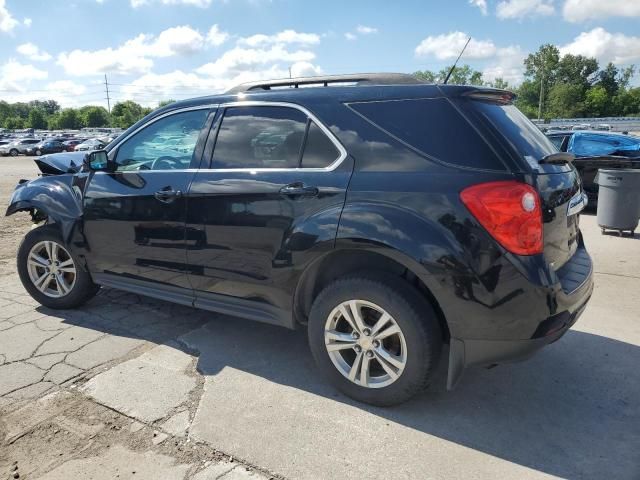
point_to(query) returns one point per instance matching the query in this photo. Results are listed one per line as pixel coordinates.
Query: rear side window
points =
(319, 150)
(434, 128)
(260, 137)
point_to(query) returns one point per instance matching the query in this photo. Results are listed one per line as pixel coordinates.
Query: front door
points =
(134, 218)
(266, 206)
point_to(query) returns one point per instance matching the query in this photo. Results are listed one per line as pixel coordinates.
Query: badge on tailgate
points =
(577, 203)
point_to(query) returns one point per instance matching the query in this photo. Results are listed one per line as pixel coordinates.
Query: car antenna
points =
(456, 62)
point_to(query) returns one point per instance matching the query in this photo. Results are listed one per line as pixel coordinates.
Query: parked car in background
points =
(597, 149)
(18, 147)
(388, 217)
(591, 143)
(70, 145)
(46, 146)
(88, 145)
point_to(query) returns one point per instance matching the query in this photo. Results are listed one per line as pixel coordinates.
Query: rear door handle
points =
(299, 189)
(167, 195)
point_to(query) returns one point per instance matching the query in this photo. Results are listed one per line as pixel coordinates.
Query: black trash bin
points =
(618, 199)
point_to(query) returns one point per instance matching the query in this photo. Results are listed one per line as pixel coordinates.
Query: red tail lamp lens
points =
(510, 211)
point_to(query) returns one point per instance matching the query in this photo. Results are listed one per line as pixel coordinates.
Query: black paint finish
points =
(254, 242)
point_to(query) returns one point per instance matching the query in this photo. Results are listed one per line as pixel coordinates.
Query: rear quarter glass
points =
(527, 144)
(434, 128)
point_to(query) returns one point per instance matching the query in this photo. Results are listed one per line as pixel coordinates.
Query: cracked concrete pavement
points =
(128, 384)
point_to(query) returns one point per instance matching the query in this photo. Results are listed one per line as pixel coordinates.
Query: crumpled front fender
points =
(58, 197)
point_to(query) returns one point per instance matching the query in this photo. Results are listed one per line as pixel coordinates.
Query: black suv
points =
(388, 216)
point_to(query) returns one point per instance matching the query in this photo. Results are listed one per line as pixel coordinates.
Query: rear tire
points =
(398, 364)
(14, 153)
(38, 153)
(50, 273)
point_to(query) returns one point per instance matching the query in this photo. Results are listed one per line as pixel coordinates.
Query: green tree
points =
(577, 70)
(164, 103)
(462, 75)
(426, 76)
(49, 107)
(596, 101)
(566, 100)
(69, 118)
(126, 113)
(501, 83)
(92, 116)
(13, 123)
(37, 119)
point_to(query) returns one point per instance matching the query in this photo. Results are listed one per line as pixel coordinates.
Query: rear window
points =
(525, 138)
(434, 128)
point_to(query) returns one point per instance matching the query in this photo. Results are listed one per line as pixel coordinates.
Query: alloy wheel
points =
(365, 344)
(51, 269)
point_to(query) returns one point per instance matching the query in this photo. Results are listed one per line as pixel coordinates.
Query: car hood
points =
(58, 163)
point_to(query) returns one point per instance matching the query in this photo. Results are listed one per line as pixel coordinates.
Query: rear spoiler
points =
(557, 158)
(503, 97)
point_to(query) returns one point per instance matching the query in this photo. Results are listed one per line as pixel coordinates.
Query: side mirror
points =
(97, 161)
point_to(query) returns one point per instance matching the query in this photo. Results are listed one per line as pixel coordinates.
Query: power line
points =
(106, 86)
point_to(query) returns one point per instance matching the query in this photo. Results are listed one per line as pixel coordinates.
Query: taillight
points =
(511, 213)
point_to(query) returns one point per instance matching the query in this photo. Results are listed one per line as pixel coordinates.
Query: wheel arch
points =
(341, 262)
(50, 198)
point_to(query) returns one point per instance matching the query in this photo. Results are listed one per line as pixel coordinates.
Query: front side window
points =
(167, 144)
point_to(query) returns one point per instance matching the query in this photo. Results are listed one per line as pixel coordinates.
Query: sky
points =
(152, 50)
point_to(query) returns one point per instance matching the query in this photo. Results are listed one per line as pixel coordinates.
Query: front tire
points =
(38, 153)
(50, 273)
(376, 339)
(14, 152)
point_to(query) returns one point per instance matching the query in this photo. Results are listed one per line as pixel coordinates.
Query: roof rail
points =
(357, 78)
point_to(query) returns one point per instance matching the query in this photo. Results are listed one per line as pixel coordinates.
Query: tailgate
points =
(562, 201)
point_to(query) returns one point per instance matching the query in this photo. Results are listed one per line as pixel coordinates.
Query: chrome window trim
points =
(113, 147)
(251, 103)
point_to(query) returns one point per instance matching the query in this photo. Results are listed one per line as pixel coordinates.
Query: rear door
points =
(134, 218)
(267, 204)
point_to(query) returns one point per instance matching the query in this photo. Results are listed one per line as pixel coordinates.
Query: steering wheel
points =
(166, 162)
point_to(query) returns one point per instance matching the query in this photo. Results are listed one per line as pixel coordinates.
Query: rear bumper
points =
(571, 296)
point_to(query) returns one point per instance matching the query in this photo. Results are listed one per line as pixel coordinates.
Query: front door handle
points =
(167, 195)
(299, 189)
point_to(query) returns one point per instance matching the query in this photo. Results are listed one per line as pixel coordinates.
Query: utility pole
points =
(106, 87)
(290, 73)
(541, 91)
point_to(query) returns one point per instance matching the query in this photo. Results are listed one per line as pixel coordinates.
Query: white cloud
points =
(606, 47)
(360, 30)
(448, 46)
(364, 30)
(32, 52)
(508, 65)
(27, 22)
(194, 3)
(135, 55)
(238, 60)
(504, 62)
(216, 37)
(182, 40)
(16, 77)
(581, 10)
(151, 88)
(7, 21)
(481, 4)
(283, 37)
(524, 8)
